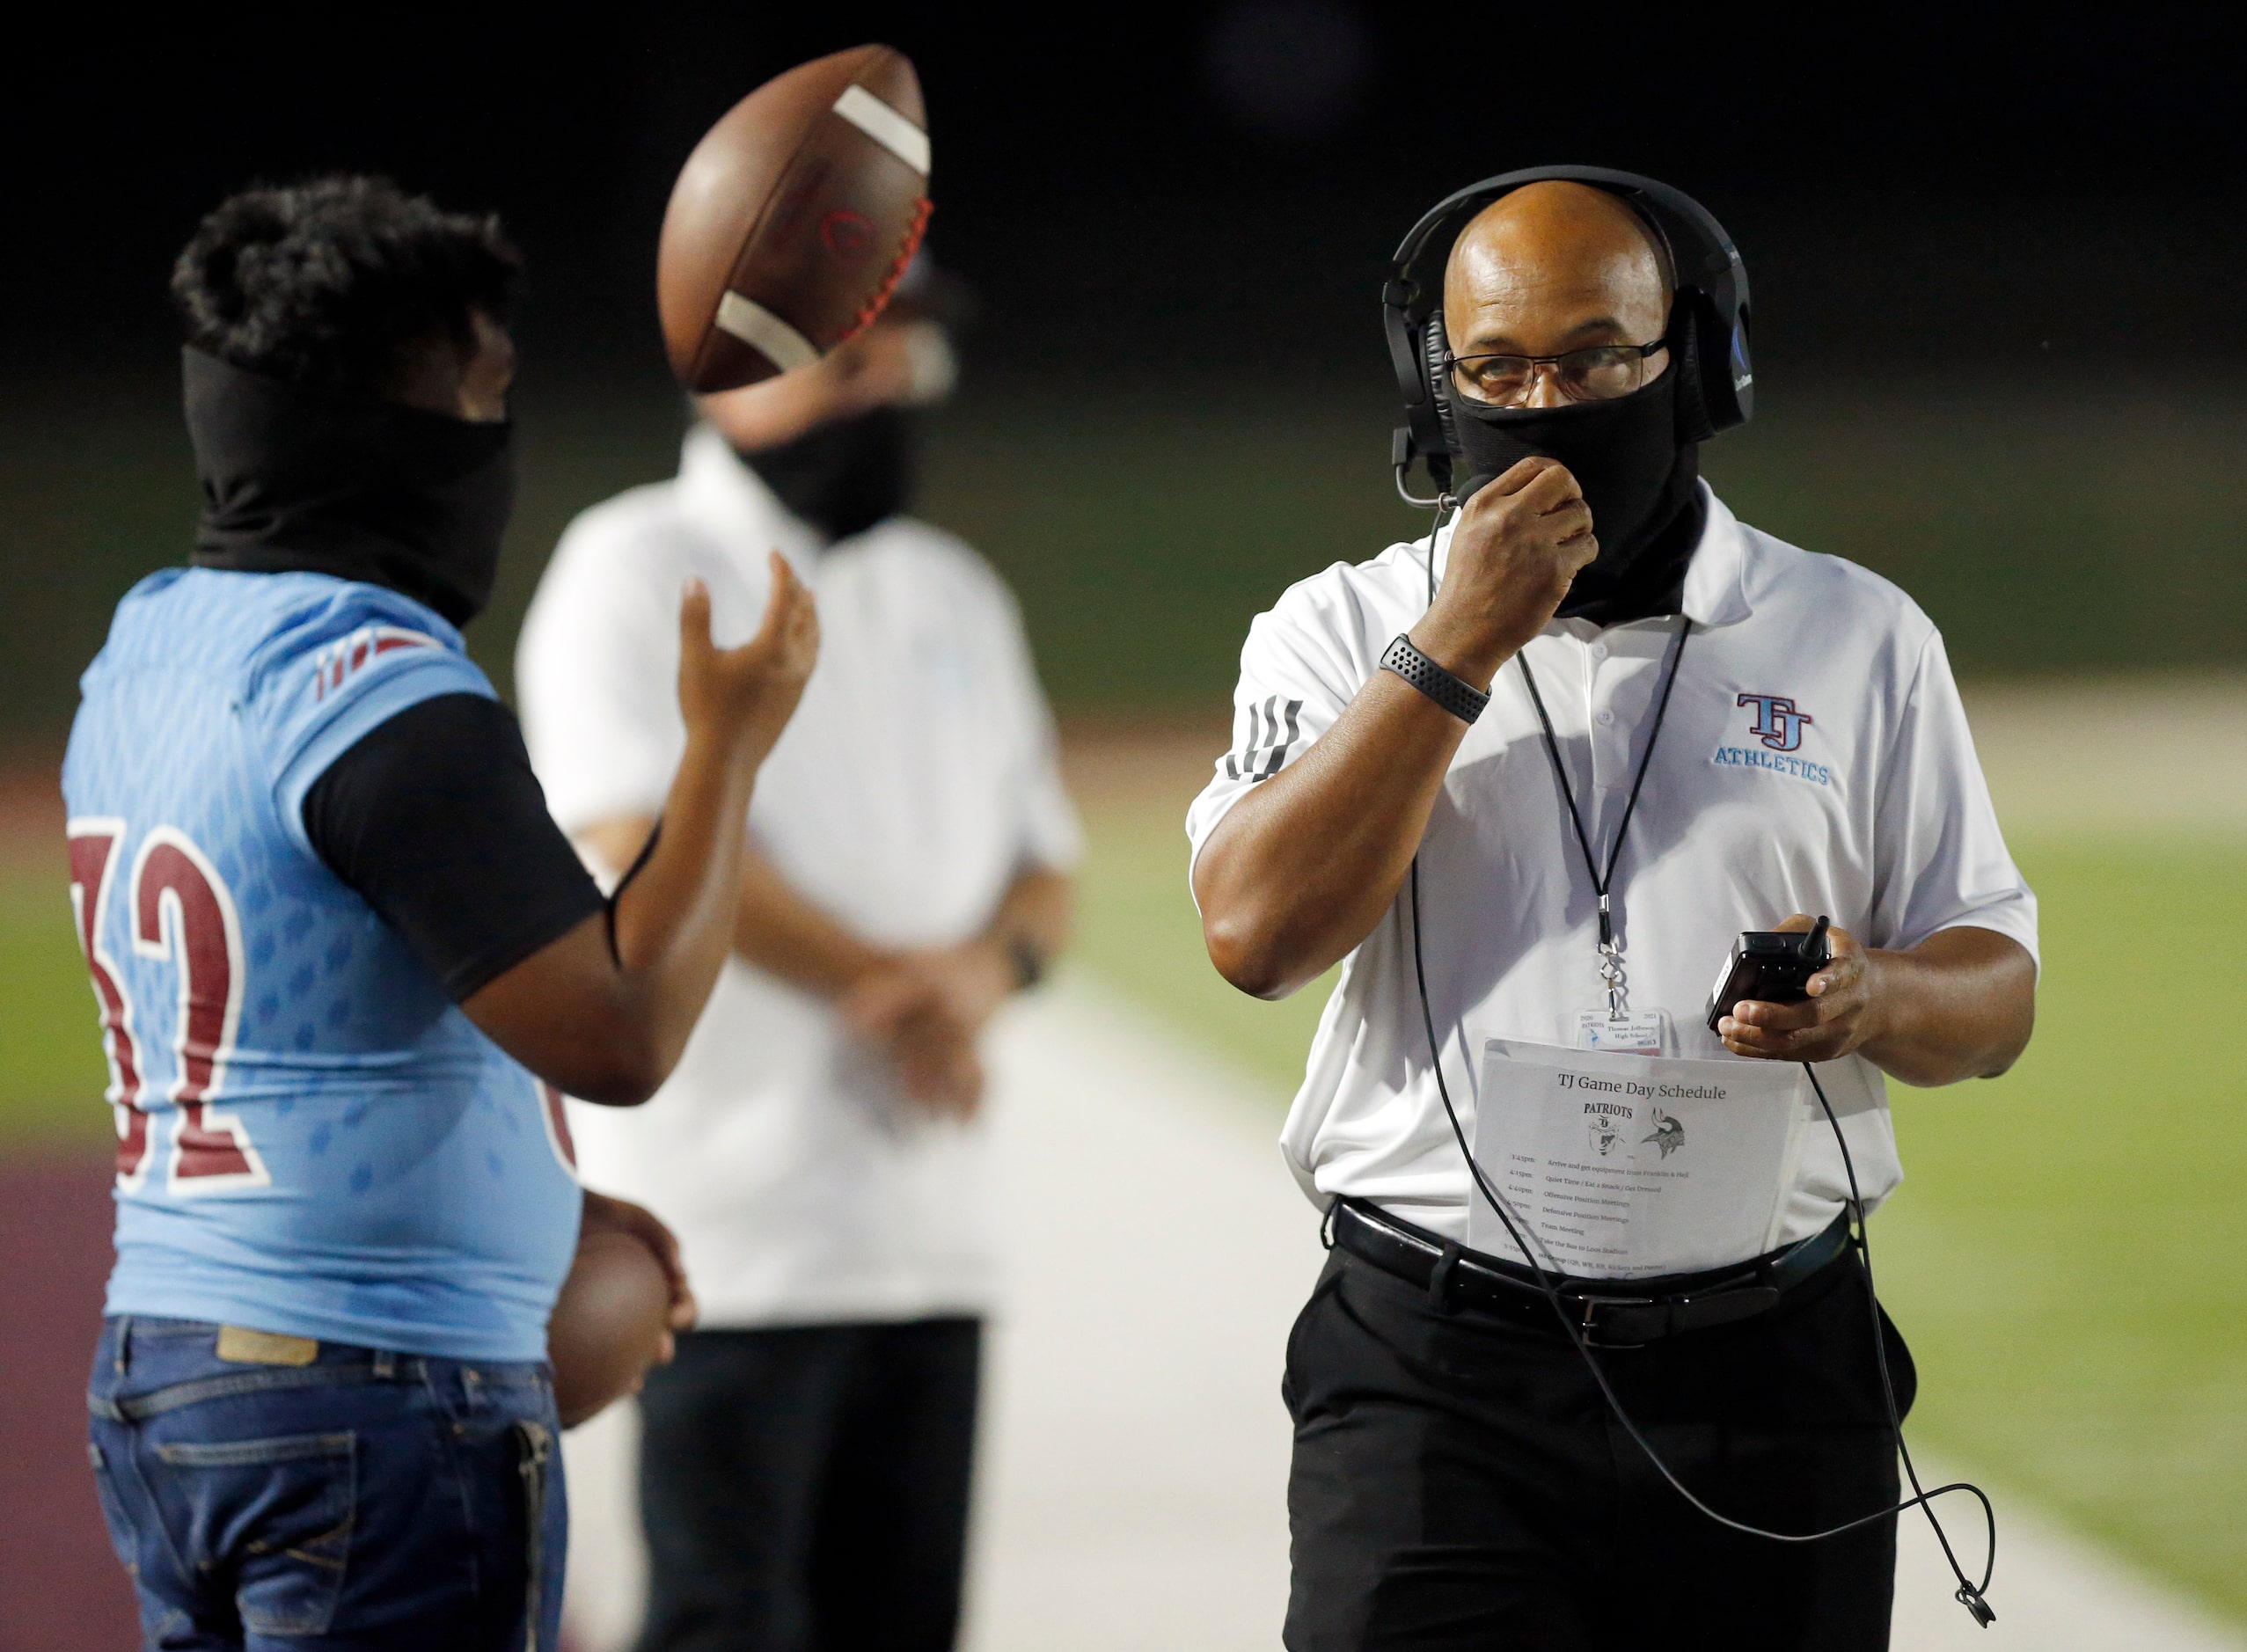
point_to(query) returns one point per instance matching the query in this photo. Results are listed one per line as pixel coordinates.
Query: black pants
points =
(1460, 1483)
(806, 1489)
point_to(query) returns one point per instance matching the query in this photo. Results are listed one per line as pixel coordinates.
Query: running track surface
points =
(1135, 1450)
(61, 1587)
(1132, 1490)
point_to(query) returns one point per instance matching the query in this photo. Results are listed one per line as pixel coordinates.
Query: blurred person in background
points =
(337, 944)
(805, 1459)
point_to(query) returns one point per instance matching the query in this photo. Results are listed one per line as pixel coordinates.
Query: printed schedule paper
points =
(1628, 1167)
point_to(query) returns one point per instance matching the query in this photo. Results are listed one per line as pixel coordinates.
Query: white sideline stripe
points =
(885, 126)
(1131, 1487)
(2054, 1592)
(2172, 750)
(754, 324)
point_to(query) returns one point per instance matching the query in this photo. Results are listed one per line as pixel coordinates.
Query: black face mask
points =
(364, 490)
(1638, 478)
(844, 477)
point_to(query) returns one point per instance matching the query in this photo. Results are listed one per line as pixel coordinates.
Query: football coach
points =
(1527, 780)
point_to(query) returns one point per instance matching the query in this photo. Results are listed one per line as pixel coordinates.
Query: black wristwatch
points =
(1462, 699)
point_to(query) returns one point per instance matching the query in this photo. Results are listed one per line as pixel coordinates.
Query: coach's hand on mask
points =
(1834, 1021)
(743, 697)
(1516, 548)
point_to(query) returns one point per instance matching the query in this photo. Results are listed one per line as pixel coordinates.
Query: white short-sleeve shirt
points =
(1814, 758)
(917, 780)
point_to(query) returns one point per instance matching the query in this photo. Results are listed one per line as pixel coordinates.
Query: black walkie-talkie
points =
(1770, 966)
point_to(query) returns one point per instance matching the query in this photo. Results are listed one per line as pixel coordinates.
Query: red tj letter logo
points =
(1777, 723)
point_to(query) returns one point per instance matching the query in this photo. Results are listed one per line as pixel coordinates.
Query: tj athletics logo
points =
(1778, 724)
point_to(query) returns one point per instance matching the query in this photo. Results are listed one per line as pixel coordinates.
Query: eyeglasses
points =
(1599, 372)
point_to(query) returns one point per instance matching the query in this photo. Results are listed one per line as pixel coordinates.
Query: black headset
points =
(1708, 312)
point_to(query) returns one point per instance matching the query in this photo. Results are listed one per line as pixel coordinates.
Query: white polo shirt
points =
(1815, 758)
(916, 781)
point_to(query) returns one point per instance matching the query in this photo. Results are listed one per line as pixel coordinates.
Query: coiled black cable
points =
(1972, 1597)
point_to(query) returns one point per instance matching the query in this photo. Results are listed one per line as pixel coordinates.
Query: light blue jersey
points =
(311, 1138)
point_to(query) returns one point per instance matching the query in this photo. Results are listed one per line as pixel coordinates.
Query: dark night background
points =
(1994, 263)
(1996, 259)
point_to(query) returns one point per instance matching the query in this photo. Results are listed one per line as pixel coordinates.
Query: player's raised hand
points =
(603, 1012)
(1518, 543)
(745, 696)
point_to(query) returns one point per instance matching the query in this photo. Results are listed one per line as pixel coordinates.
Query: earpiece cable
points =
(1970, 1595)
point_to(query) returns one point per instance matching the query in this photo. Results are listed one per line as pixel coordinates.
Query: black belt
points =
(1456, 1278)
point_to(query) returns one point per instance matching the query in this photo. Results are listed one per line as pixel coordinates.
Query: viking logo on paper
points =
(1668, 1134)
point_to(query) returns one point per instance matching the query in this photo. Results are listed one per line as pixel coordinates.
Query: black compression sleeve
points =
(435, 819)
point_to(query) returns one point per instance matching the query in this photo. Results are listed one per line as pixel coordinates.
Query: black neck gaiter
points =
(294, 480)
(1640, 480)
(844, 477)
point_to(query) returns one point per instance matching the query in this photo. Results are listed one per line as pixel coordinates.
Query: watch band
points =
(1459, 699)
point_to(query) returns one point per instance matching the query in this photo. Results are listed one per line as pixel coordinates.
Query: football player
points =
(345, 961)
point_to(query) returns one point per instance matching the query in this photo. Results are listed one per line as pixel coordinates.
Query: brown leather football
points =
(794, 218)
(608, 1324)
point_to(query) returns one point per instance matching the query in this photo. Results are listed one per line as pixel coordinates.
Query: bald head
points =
(1555, 266)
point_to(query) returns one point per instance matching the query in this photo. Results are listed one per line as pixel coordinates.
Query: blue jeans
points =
(365, 1500)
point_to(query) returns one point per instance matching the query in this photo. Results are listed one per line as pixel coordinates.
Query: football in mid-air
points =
(794, 219)
(608, 1324)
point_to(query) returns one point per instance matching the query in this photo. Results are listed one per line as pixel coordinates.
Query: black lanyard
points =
(1610, 969)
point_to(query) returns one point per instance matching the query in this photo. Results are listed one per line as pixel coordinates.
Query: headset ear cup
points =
(1422, 435)
(1435, 346)
(1695, 418)
(1721, 397)
(1735, 370)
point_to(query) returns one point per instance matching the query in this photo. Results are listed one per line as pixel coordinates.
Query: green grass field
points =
(51, 1075)
(2065, 1255)
(1143, 528)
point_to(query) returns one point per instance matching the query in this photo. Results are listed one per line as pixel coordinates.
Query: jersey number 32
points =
(179, 912)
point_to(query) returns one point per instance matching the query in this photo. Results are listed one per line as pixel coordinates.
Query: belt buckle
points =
(1588, 1321)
